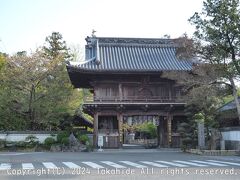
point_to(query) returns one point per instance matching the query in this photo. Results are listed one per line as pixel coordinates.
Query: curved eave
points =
(82, 77)
(121, 71)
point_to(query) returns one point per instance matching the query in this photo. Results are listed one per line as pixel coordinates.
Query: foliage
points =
(226, 99)
(31, 140)
(199, 118)
(31, 84)
(188, 131)
(22, 144)
(216, 43)
(55, 46)
(83, 138)
(65, 141)
(2, 61)
(62, 135)
(35, 90)
(49, 141)
(149, 129)
(218, 40)
(200, 92)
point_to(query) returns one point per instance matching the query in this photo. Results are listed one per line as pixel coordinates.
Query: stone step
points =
(133, 146)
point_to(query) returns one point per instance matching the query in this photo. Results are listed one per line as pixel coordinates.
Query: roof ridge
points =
(117, 40)
(138, 45)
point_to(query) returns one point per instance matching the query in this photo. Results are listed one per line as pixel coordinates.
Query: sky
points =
(26, 23)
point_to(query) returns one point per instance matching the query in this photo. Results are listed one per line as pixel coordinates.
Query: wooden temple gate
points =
(124, 76)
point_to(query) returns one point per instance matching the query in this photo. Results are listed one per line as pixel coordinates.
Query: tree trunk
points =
(31, 108)
(235, 95)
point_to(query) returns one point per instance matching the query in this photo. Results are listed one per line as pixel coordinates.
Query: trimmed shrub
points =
(31, 141)
(49, 141)
(65, 141)
(83, 139)
(62, 135)
(21, 144)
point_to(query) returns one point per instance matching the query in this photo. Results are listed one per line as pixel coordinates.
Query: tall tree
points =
(218, 39)
(11, 119)
(55, 46)
(36, 92)
(2, 60)
(27, 77)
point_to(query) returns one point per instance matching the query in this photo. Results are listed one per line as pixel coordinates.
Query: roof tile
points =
(132, 54)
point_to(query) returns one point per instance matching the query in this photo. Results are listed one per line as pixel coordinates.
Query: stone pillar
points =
(95, 129)
(169, 129)
(201, 135)
(222, 144)
(120, 129)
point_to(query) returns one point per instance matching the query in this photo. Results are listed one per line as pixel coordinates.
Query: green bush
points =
(148, 128)
(49, 141)
(83, 139)
(31, 141)
(152, 129)
(65, 141)
(62, 135)
(186, 135)
(21, 144)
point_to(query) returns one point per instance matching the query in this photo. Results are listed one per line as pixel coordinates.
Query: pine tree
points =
(218, 39)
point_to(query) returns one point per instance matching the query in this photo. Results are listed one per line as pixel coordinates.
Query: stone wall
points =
(21, 135)
(213, 152)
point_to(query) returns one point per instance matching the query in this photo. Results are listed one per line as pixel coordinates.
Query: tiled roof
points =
(82, 121)
(229, 106)
(131, 54)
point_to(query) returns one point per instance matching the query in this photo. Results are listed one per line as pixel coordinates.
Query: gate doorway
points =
(140, 130)
(108, 128)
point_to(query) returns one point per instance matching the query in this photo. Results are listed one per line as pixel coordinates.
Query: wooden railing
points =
(132, 99)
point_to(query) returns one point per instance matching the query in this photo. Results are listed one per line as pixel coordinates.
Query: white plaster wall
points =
(231, 135)
(22, 137)
(3, 136)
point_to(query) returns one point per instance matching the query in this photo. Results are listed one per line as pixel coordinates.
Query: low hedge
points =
(48, 142)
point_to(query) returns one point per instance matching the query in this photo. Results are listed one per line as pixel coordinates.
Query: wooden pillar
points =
(120, 91)
(161, 131)
(120, 129)
(170, 92)
(169, 129)
(95, 129)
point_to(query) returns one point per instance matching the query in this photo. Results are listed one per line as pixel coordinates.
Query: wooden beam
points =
(161, 131)
(95, 129)
(120, 91)
(120, 129)
(169, 129)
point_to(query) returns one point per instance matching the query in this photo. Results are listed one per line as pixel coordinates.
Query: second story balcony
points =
(132, 100)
